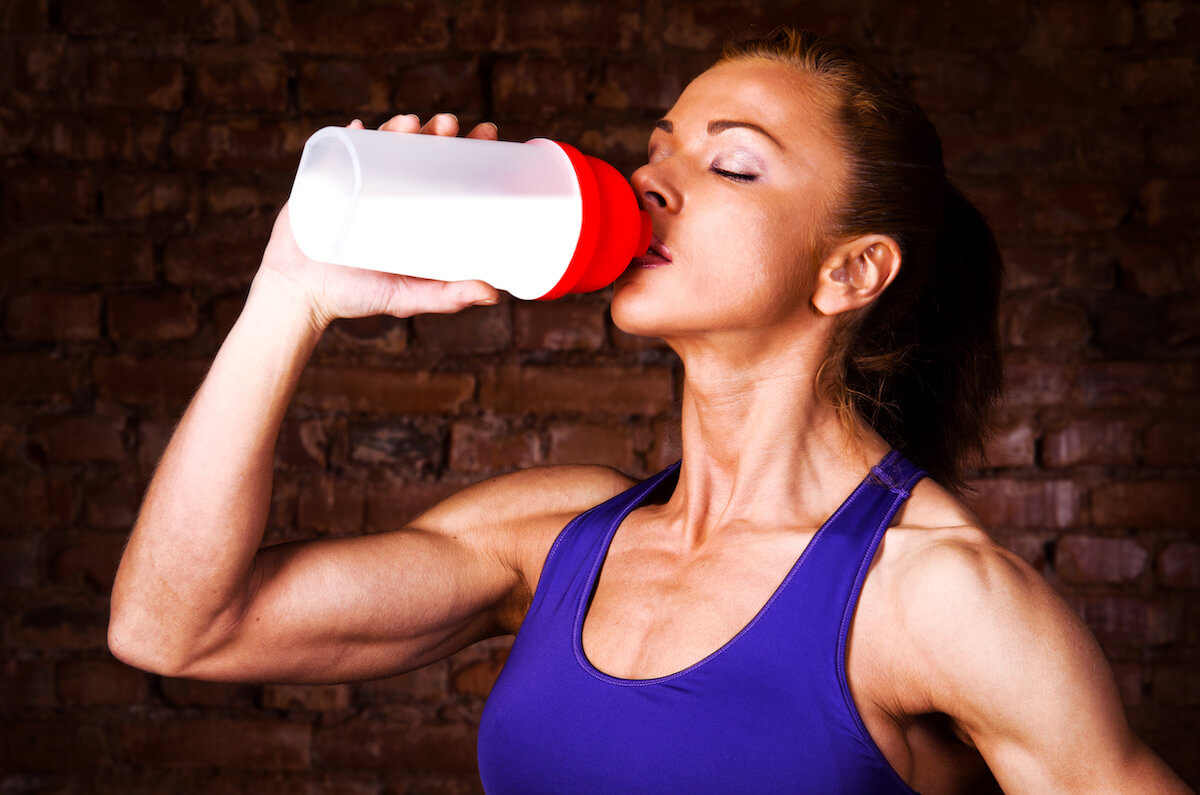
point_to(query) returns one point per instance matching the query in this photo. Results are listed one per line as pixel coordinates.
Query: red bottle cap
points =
(614, 229)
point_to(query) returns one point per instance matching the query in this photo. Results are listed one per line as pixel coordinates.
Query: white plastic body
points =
(438, 207)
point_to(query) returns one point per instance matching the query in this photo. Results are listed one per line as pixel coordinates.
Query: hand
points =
(332, 291)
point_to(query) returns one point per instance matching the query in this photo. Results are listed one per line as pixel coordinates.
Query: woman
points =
(740, 622)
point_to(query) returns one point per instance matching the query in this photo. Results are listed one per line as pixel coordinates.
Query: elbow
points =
(139, 645)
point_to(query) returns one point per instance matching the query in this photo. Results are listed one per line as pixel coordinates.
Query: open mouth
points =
(656, 256)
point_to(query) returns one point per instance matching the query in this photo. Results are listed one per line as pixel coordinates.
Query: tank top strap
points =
(580, 547)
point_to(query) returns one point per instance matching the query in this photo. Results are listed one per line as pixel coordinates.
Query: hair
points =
(920, 364)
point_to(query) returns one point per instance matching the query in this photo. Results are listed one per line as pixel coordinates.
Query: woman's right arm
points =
(195, 596)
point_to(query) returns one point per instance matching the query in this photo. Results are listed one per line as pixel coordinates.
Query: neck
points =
(760, 446)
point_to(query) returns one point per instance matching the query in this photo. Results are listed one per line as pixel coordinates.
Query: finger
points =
(405, 122)
(442, 124)
(486, 131)
(444, 297)
(355, 125)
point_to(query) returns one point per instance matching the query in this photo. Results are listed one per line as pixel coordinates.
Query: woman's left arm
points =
(1004, 656)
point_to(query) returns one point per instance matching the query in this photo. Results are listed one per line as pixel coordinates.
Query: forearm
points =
(186, 571)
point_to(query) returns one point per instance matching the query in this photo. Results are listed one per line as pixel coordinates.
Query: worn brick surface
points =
(145, 150)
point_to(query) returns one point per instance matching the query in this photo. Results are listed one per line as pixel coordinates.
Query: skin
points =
(959, 653)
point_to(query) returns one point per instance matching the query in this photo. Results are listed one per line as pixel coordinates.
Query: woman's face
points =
(742, 174)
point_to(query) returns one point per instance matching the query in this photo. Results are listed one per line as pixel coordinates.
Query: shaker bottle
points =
(537, 219)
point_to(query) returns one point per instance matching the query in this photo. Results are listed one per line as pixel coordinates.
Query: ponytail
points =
(923, 366)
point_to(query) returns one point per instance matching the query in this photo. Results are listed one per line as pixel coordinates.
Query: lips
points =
(657, 256)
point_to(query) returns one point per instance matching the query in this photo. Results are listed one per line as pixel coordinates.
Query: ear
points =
(855, 273)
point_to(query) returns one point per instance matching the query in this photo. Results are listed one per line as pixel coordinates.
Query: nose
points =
(655, 190)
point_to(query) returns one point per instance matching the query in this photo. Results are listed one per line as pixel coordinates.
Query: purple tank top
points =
(770, 711)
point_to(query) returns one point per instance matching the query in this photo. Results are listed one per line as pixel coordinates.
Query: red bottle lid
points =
(614, 229)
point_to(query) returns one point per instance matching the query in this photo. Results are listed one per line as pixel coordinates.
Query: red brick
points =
(79, 257)
(1161, 80)
(221, 695)
(539, 87)
(59, 746)
(392, 502)
(426, 685)
(19, 563)
(1171, 202)
(1127, 619)
(1085, 559)
(148, 382)
(1171, 20)
(1179, 565)
(478, 678)
(1173, 443)
(1090, 441)
(220, 258)
(1031, 548)
(240, 78)
(1150, 268)
(110, 135)
(304, 443)
(903, 26)
(161, 316)
(952, 82)
(332, 505)
(67, 439)
(131, 196)
(1141, 384)
(490, 447)
(483, 329)
(1087, 23)
(63, 627)
(1010, 446)
(1035, 383)
(1147, 504)
(135, 83)
(90, 560)
(113, 505)
(35, 503)
(243, 144)
(646, 82)
(398, 447)
(970, 147)
(366, 28)
(248, 744)
(1003, 503)
(42, 195)
(1047, 323)
(378, 333)
(1079, 207)
(1177, 684)
(559, 325)
(384, 391)
(251, 194)
(364, 744)
(154, 22)
(1083, 80)
(514, 25)
(36, 377)
(607, 390)
(45, 64)
(445, 85)
(1130, 682)
(100, 682)
(314, 698)
(573, 443)
(1183, 318)
(1170, 142)
(26, 684)
(152, 438)
(50, 315)
(345, 86)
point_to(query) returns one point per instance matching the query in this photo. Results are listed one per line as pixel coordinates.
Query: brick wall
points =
(146, 147)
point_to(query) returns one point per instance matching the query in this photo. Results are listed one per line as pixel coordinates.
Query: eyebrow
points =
(720, 126)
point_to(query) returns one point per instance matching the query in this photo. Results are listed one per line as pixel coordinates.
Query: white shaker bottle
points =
(538, 219)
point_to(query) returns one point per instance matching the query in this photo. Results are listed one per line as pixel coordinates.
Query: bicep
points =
(359, 607)
(1021, 674)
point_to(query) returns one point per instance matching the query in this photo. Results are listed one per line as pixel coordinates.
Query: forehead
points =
(773, 95)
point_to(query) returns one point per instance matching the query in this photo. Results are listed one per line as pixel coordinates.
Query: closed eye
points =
(734, 175)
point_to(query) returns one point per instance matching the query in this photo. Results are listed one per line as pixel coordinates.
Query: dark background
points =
(146, 147)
